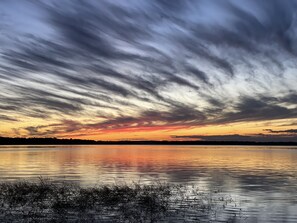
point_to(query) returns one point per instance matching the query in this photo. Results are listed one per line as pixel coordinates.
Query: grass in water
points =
(45, 201)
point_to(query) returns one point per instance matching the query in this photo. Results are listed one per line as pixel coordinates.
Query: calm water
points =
(261, 180)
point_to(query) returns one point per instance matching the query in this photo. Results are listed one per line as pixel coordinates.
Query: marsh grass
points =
(45, 201)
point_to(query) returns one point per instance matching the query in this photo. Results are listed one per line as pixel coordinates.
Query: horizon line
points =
(71, 141)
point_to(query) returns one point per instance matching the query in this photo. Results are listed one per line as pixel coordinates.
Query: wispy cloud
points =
(121, 64)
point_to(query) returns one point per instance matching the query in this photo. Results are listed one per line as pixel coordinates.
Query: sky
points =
(149, 69)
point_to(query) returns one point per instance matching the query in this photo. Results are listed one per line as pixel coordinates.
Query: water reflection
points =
(263, 178)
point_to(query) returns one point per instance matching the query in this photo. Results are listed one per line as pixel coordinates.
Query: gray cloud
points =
(151, 62)
(256, 109)
(6, 118)
(288, 131)
(244, 138)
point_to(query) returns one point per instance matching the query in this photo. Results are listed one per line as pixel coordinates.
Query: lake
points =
(261, 180)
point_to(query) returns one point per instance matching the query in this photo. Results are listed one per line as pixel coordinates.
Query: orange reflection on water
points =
(91, 162)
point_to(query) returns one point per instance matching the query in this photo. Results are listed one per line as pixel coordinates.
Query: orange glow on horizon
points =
(159, 132)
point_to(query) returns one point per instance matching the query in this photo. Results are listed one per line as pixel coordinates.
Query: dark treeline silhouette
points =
(56, 141)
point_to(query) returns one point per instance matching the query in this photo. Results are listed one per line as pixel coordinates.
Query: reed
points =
(45, 201)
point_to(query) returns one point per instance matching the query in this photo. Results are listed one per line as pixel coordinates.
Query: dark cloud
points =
(150, 63)
(174, 6)
(289, 131)
(197, 73)
(7, 118)
(290, 98)
(249, 30)
(243, 138)
(62, 127)
(256, 109)
(179, 117)
(194, 46)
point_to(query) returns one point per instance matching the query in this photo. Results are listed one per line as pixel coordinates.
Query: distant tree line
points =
(56, 141)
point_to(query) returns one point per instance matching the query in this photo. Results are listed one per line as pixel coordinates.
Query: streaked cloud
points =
(115, 65)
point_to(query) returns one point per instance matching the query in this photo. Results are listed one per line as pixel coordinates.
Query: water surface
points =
(262, 180)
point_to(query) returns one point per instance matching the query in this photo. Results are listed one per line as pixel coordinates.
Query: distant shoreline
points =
(55, 141)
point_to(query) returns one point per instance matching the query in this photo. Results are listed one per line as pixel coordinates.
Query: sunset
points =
(148, 69)
(182, 92)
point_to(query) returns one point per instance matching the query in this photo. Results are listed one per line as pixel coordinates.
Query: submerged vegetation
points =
(45, 201)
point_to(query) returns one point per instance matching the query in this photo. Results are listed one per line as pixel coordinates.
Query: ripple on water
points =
(261, 180)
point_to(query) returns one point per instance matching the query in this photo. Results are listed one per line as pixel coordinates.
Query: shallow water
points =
(262, 180)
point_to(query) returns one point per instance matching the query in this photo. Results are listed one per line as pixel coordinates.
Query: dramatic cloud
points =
(115, 65)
